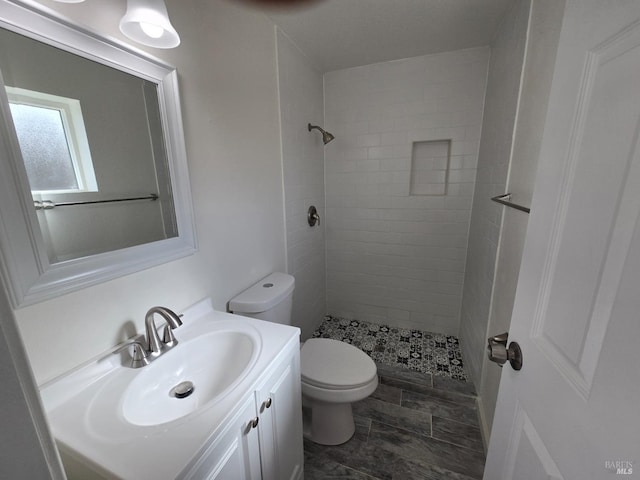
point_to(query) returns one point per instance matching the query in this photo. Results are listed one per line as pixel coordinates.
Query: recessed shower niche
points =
(430, 167)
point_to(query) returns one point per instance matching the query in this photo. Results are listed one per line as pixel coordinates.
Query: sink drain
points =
(182, 390)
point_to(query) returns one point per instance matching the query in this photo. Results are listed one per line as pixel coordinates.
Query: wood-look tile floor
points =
(414, 426)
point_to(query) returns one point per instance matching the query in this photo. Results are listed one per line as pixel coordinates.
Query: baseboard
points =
(484, 427)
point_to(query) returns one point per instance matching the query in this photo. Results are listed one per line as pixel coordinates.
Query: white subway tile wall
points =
(393, 257)
(301, 102)
(494, 157)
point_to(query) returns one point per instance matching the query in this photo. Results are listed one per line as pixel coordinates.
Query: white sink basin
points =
(120, 422)
(214, 363)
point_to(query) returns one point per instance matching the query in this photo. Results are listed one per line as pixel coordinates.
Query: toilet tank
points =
(269, 299)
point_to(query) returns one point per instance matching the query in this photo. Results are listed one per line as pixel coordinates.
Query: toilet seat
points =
(334, 365)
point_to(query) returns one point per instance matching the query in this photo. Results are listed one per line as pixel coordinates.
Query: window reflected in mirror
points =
(53, 141)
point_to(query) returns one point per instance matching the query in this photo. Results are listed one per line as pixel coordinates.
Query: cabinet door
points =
(236, 454)
(280, 410)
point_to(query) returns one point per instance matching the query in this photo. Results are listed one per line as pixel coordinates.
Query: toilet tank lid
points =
(265, 294)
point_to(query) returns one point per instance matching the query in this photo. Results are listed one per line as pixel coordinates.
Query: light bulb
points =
(154, 31)
(147, 22)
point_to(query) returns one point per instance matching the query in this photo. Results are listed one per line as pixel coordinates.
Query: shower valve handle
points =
(312, 216)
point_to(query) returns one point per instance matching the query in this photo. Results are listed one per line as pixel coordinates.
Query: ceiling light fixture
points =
(147, 22)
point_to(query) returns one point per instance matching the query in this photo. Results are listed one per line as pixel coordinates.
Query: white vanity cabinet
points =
(235, 454)
(264, 438)
(280, 426)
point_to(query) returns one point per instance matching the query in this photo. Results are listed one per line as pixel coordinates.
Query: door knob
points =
(499, 353)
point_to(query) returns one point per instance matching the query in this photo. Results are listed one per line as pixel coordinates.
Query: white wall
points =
(27, 449)
(228, 84)
(542, 43)
(394, 258)
(302, 102)
(503, 87)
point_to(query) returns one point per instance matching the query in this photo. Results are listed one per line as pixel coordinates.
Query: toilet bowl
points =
(334, 374)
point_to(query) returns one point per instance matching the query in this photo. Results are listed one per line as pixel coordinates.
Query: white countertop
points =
(84, 407)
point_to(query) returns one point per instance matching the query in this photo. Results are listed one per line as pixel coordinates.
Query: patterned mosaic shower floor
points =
(424, 352)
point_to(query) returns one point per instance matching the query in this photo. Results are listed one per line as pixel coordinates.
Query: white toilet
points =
(334, 374)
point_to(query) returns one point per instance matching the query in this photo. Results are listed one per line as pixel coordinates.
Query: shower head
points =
(326, 136)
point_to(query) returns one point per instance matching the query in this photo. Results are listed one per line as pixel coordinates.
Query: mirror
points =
(90, 137)
(94, 177)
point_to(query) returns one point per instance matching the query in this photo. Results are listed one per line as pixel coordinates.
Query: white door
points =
(573, 411)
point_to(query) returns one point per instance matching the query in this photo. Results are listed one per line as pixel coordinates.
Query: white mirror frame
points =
(27, 274)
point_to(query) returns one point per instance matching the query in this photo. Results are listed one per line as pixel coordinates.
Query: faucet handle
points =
(139, 357)
(168, 338)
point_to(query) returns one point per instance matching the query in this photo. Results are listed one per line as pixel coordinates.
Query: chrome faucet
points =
(155, 346)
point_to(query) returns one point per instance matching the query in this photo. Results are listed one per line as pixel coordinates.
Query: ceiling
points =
(339, 34)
